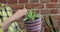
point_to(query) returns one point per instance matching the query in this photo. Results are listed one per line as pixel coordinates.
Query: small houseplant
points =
(33, 22)
(50, 25)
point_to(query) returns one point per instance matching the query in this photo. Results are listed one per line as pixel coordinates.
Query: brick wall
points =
(46, 7)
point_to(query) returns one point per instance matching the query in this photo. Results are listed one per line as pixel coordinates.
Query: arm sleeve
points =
(1, 29)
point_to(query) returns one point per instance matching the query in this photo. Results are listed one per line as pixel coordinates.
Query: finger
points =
(24, 10)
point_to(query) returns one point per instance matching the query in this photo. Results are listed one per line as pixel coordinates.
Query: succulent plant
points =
(32, 15)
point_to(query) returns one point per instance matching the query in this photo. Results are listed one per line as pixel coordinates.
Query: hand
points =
(21, 13)
(14, 17)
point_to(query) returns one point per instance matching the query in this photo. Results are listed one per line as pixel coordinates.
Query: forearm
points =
(10, 20)
(6, 24)
(14, 17)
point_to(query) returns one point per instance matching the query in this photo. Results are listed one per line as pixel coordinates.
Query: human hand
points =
(22, 12)
(14, 17)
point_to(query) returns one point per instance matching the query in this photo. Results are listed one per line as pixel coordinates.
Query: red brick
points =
(16, 7)
(54, 0)
(43, 24)
(51, 5)
(11, 1)
(58, 5)
(36, 10)
(54, 11)
(56, 17)
(46, 29)
(47, 17)
(29, 6)
(58, 11)
(34, 1)
(55, 23)
(54, 20)
(59, 0)
(44, 12)
(2, 1)
(23, 1)
(44, 1)
(59, 24)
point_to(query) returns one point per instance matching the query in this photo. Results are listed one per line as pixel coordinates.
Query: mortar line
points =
(39, 2)
(17, 1)
(28, 1)
(53, 3)
(24, 6)
(58, 1)
(44, 6)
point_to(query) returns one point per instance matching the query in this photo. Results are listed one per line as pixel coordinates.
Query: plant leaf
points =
(47, 24)
(51, 22)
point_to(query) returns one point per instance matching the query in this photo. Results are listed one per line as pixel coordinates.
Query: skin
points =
(13, 18)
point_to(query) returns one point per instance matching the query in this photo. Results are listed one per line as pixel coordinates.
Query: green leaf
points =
(51, 22)
(47, 24)
(32, 15)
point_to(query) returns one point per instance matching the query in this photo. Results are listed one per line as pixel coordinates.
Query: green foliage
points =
(51, 22)
(32, 15)
(47, 24)
(51, 25)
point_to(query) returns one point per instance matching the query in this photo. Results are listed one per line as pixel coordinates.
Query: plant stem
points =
(47, 24)
(51, 22)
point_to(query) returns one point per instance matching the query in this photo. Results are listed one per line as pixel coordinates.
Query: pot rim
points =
(34, 20)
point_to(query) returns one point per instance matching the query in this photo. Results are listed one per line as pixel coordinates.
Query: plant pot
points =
(34, 26)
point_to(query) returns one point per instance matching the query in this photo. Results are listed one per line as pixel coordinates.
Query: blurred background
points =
(46, 7)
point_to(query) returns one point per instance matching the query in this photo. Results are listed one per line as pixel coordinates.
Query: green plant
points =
(32, 15)
(51, 25)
